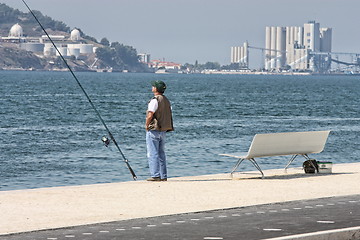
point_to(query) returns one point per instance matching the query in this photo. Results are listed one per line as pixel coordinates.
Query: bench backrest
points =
(290, 143)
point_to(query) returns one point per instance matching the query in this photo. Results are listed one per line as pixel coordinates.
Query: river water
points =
(50, 135)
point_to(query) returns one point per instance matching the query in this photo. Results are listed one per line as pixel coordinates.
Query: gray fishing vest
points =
(162, 120)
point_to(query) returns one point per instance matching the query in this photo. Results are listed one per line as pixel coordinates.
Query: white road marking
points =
(330, 204)
(151, 225)
(260, 212)
(212, 238)
(195, 219)
(297, 208)
(272, 210)
(166, 223)
(136, 227)
(236, 215)
(182, 221)
(328, 222)
(353, 201)
(222, 216)
(70, 236)
(285, 210)
(103, 231)
(87, 233)
(272, 229)
(319, 235)
(319, 205)
(209, 217)
(120, 229)
(52, 238)
(309, 207)
(249, 213)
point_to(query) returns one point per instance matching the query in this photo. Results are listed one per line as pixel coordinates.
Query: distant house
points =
(158, 64)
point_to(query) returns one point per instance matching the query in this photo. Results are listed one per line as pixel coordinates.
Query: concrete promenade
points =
(48, 208)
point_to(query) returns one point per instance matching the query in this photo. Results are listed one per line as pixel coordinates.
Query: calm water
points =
(50, 135)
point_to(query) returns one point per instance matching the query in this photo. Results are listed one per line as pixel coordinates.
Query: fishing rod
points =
(104, 139)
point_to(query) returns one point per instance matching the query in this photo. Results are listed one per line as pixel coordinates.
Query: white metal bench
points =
(283, 144)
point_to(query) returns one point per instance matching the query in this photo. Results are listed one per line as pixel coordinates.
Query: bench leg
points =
(236, 165)
(290, 161)
(252, 160)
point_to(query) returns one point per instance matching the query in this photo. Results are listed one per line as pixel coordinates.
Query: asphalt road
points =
(250, 223)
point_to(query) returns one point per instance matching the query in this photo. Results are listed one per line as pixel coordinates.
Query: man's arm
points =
(149, 117)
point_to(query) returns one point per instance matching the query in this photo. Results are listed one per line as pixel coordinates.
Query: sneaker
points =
(154, 179)
(163, 179)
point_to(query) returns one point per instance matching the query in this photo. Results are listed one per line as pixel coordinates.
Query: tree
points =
(212, 65)
(105, 42)
(120, 57)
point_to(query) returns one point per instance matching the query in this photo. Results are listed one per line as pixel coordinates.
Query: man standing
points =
(158, 122)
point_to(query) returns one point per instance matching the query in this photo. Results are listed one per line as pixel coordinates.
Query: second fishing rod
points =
(85, 93)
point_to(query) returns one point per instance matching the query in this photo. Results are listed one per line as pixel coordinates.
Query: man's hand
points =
(149, 117)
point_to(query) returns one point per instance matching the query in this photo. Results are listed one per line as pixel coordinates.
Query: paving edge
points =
(351, 233)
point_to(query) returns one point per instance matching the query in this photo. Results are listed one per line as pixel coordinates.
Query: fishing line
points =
(87, 96)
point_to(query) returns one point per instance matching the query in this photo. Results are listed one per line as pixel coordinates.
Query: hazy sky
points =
(204, 30)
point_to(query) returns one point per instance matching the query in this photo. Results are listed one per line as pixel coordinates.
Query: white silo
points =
(273, 47)
(242, 56)
(232, 55)
(267, 47)
(301, 59)
(280, 47)
(246, 54)
(292, 34)
(300, 37)
(325, 39)
(237, 54)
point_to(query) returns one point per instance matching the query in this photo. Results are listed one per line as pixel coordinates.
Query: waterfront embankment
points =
(49, 208)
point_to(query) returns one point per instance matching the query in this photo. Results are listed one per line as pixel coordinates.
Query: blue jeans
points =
(155, 144)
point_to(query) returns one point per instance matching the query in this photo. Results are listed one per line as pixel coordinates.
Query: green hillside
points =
(115, 56)
(10, 16)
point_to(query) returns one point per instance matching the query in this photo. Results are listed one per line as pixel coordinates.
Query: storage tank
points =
(33, 47)
(86, 48)
(62, 50)
(75, 35)
(74, 52)
(49, 50)
(16, 31)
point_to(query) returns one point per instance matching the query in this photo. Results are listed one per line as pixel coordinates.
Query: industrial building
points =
(294, 48)
(68, 46)
(240, 55)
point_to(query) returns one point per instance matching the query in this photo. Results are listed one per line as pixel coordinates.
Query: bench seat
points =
(283, 144)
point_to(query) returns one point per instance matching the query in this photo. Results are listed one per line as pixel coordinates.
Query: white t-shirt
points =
(153, 105)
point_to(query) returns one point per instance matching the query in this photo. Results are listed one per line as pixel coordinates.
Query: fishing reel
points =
(106, 141)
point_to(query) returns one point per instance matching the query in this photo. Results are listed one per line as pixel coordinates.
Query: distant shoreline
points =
(204, 72)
